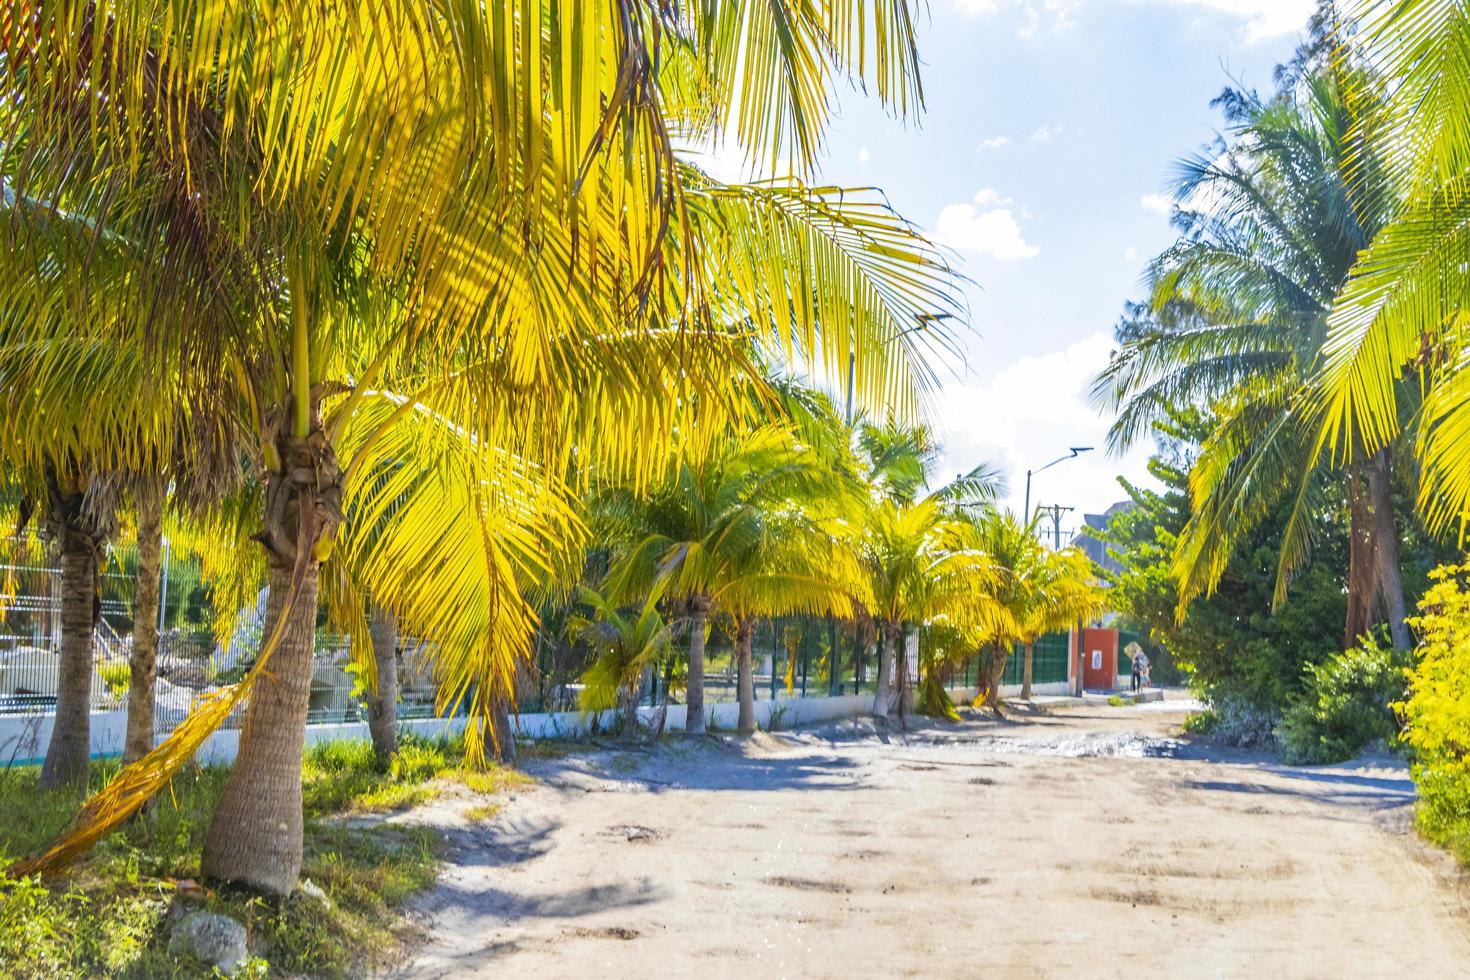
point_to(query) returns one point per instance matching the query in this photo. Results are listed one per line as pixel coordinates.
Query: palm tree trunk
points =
(1026, 671)
(994, 675)
(383, 699)
(629, 696)
(255, 838)
(1390, 586)
(503, 744)
(1360, 583)
(71, 736)
(143, 662)
(885, 666)
(694, 697)
(743, 636)
(905, 689)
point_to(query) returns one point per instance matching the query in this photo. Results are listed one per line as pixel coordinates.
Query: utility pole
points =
(1055, 511)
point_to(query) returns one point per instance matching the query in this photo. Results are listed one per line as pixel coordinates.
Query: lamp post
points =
(925, 319)
(1073, 453)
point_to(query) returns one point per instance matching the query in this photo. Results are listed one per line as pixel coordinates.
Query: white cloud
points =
(986, 226)
(1160, 203)
(1260, 19)
(1263, 18)
(863, 155)
(1029, 413)
(1130, 253)
(1046, 134)
(995, 142)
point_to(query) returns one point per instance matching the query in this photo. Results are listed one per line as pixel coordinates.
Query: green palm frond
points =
(454, 538)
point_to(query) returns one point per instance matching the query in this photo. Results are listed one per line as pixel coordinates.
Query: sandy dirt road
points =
(1089, 843)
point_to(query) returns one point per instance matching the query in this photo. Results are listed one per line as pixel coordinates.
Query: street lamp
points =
(1073, 453)
(925, 319)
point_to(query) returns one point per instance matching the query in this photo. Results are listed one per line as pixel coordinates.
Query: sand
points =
(1095, 842)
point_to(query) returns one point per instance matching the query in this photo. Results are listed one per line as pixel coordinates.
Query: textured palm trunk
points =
(694, 696)
(1026, 671)
(994, 676)
(143, 662)
(503, 744)
(905, 694)
(255, 838)
(1361, 574)
(883, 697)
(628, 708)
(1386, 570)
(744, 633)
(1077, 662)
(71, 734)
(383, 699)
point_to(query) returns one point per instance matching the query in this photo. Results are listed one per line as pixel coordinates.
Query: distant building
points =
(1089, 542)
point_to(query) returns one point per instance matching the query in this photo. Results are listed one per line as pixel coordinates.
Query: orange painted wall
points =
(1103, 677)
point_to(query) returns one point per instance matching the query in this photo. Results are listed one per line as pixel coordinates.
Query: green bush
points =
(1345, 704)
(1436, 712)
(1444, 805)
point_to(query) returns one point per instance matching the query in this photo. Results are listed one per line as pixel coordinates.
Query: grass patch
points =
(482, 813)
(348, 777)
(1117, 702)
(110, 915)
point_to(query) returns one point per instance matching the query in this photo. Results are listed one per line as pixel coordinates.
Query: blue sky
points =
(1050, 133)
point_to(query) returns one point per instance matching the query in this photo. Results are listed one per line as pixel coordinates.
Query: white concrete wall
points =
(23, 738)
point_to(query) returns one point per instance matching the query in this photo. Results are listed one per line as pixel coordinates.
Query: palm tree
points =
(924, 562)
(799, 562)
(149, 499)
(1271, 224)
(921, 554)
(1018, 560)
(383, 696)
(625, 645)
(716, 535)
(1395, 344)
(1064, 592)
(426, 229)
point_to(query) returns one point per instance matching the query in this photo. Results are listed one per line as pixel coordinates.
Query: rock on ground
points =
(212, 938)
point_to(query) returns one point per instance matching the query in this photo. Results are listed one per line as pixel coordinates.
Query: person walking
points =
(1137, 674)
(1140, 667)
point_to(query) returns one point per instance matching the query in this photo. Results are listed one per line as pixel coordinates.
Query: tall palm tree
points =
(800, 563)
(412, 222)
(921, 552)
(1395, 350)
(1018, 559)
(1270, 225)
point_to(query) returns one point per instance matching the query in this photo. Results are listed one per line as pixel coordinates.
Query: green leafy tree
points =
(1242, 658)
(1270, 223)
